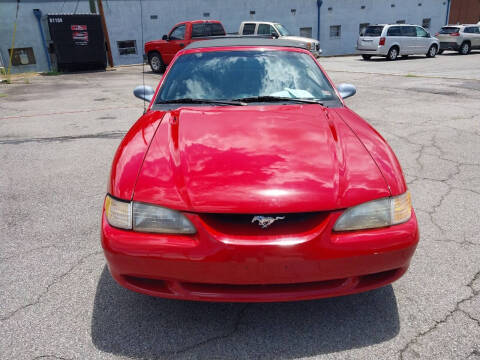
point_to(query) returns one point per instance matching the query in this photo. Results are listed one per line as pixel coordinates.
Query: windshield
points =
(231, 75)
(373, 31)
(282, 30)
(449, 30)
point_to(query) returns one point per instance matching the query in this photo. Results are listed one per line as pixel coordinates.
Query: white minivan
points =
(396, 40)
(266, 28)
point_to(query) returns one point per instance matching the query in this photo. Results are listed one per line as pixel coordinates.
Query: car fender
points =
(379, 150)
(130, 154)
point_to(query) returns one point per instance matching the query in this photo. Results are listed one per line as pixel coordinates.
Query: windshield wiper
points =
(268, 98)
(202, 101)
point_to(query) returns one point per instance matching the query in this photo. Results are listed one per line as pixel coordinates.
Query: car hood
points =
(257, 159)
(299, 38)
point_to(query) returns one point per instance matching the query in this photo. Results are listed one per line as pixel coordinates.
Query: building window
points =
(22, 56)
(335, 31)
(206, 14)
(306, 32)
(426, 23)
(362, 27)
(153, 17)
(127, 47)
(400, 21)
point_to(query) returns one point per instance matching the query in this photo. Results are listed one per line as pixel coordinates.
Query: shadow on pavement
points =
(134, 325)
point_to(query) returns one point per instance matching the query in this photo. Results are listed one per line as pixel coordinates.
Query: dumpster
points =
(78, 41)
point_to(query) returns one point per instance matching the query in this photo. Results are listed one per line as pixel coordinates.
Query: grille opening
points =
(285, 223)
(267, 289)
(159, 286)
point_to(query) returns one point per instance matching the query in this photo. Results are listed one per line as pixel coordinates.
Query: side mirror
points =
(274, 34)
(346, 90)
(144, 92)
(165, 37)
(429, 35)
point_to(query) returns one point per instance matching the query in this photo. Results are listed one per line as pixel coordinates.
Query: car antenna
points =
(143, 60)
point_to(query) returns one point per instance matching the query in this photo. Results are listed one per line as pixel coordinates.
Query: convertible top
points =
(225, 41)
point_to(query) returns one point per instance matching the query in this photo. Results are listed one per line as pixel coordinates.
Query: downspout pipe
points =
(448, 11)
(38, 15)
(319, 5)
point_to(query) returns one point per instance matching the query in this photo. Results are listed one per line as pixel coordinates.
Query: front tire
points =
(366, 57)
(432, 51)
(156, 62)
(464, 48)
(392, 53)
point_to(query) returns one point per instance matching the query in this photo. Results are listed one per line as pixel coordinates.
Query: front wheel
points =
(366, 57)
(156, 62)
(465, 48)
(432, 51)
(392, 54)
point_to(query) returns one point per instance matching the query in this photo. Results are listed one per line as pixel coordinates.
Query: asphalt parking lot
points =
(58, 135)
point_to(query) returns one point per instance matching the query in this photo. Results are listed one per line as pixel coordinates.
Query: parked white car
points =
(461, 38)
(278, 30)
(393, 40)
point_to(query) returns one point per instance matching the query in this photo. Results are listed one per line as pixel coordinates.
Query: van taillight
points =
(455, 34)
(382, 41)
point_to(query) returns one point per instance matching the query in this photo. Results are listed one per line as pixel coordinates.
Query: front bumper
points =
(213, 266)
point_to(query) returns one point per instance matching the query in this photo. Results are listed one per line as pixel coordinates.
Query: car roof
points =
(225, 41)
(459, 25)
(400, 25)
(197, 22)
(259, 22)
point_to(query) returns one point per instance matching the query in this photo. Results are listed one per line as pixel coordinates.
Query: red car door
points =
(176, 41)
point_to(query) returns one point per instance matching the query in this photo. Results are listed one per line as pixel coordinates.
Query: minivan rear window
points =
(449, 30)
(373, 31)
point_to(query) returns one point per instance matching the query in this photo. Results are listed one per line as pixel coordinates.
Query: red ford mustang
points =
(248, 179)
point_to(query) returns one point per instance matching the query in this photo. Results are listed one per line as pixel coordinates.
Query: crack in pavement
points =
(47, 289)
(446, 317)
(50, 356)
(474, 353)
(234, 329)
(100, 135)
(401, 75)
(43, 247)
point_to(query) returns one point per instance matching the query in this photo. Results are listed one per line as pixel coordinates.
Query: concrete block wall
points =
(124, 20)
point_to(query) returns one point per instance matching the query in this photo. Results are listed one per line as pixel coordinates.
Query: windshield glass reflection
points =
(240, 74)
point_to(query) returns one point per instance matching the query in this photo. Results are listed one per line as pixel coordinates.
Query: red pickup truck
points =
(161, 52)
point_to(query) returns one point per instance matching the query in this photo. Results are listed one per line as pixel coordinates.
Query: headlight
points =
(118, 213)
(146, 218)
(157, 219)
(376, 213)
